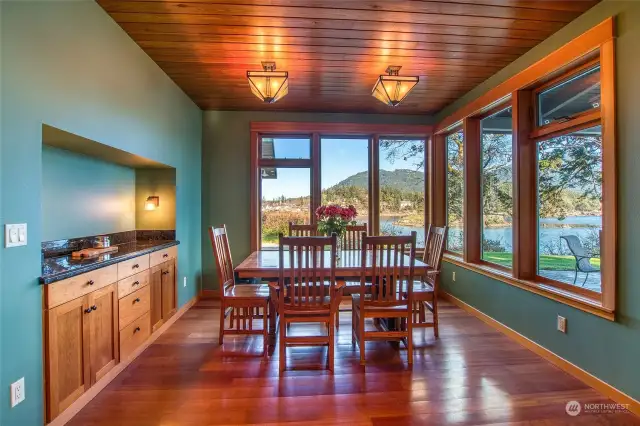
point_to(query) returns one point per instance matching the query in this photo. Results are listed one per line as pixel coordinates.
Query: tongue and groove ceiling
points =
(334, 50)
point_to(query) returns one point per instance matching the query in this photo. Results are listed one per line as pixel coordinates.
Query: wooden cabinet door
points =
(155, 285)
(168, 290)
(67, 347)
(103, 331)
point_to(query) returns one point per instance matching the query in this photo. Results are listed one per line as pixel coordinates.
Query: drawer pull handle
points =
(90, 282)
(165, 272)
(136, 283)
(94, 308)
(165, 255)
(87, 311)
(136, 329)
(135, 266)
(137, 299)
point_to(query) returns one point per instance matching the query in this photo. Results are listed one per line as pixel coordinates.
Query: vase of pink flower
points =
(333, 218)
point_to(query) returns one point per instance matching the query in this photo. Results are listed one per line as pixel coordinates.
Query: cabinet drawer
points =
(133, 283)
(133, 306)
(132, 266)
(63, 291)
(160, 256)
(132, 336)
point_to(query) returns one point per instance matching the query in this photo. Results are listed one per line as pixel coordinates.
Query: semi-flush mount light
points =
(269, 85)
(152, 203)
(391, 89)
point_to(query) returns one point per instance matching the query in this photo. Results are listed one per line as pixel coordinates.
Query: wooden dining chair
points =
(242, 303)
(307, 291)
(296, 230)
(389, 263)
(425, 289)
(352, 238)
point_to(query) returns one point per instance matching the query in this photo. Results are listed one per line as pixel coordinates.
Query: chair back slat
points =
(351, 240)
(390, 261)
(222, 253)
(434, 250)
(296, 230)
(309, 284)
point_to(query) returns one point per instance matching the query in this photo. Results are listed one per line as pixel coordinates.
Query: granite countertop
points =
(63, 267)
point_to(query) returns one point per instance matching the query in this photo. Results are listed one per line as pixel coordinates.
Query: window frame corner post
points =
(316, 184)
(439, 180)
(255, 192)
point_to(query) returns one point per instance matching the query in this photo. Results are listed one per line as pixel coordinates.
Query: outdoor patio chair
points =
(583, 263)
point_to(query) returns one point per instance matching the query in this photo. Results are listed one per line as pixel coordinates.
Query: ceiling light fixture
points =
(391, 89)
(269, 85)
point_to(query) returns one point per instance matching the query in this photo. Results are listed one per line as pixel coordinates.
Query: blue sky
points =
(340, 159)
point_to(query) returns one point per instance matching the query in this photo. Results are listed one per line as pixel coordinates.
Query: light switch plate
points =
(15, 235)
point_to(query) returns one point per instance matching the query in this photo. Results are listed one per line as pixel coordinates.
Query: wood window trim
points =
(574, 57)
(568, 298)
(315, 131)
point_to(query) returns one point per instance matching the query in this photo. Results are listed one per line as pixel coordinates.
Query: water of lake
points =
(581, 226)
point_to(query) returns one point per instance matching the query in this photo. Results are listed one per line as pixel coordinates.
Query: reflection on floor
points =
(472, 375)
(592, 281)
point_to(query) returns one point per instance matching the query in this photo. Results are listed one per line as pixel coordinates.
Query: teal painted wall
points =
(68, 65)
(84, 196)
(609, 350)
(226, 158)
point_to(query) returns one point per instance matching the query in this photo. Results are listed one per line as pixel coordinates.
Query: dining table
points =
(265, 265)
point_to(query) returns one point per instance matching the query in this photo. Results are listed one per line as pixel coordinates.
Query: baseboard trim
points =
(577, 372)
(86, 397)
(210, 294)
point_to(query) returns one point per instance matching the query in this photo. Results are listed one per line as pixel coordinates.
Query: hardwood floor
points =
(473, 375)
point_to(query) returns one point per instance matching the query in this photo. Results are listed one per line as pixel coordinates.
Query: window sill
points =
(574, 300)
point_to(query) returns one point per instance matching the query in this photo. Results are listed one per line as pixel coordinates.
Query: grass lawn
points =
(547, 262)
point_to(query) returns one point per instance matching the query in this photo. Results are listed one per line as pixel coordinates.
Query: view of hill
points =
(402, 179)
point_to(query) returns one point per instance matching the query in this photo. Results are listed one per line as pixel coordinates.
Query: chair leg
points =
(331, 344)
(410, 340)
(265, 330)
(361, 337)
(422, 317)
(353, 326)
(436, 332)
(282, 338)
(221, 332)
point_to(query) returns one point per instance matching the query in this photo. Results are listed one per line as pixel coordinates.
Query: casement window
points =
(455, 190)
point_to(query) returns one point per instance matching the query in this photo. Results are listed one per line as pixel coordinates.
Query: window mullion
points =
(472, 210)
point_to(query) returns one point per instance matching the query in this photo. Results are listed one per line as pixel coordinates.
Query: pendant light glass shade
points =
(269, 85)
(391, 89)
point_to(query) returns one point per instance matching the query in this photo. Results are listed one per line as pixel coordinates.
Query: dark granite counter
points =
(63, 267)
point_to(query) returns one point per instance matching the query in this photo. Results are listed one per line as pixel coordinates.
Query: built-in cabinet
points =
(95, 320)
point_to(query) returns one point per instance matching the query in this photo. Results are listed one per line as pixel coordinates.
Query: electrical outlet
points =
(562, 324)
(454, 275)
(185, 282)
(17, 392)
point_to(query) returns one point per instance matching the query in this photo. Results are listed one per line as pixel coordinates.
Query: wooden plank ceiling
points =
(335, 49)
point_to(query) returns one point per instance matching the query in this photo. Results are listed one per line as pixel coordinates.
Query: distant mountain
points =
(402, 179)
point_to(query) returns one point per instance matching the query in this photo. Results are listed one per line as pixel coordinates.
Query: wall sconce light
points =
(152, 203)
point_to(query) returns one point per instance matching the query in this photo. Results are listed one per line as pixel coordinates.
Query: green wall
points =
(68, 65)
(609, 350)
(226, 166)
(84, 196)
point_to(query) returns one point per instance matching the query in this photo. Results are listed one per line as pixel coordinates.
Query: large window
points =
(570, 208)
(286, 197)
(529, 189)
(296, 167)
(344, 174)
(401, 193)
(455, 191)
(497, 188)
